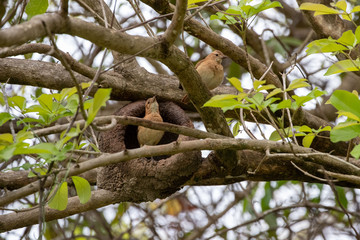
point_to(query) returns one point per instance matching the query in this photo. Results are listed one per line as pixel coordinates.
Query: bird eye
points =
(216, 54)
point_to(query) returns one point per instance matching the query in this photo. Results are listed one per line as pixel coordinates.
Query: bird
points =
(210, 70)
(147, 136)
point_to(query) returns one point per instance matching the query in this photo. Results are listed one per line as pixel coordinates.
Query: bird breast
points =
(212, 75)
(147, 136)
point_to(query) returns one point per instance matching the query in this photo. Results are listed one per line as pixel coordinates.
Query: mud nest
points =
(145, 179)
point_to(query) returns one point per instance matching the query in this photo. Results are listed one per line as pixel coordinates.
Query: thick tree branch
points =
(31, 30)
(128, 120)
(174, 59)
(213, 118)
(99, 198)
(176, 25)
(271, 168)
(54, 76)
(335, 164)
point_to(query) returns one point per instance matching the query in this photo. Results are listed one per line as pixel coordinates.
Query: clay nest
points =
(145, 179)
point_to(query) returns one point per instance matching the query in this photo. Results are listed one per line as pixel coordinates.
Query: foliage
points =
(343, 101)
(46, 109)
(338, 8)
(36, 7)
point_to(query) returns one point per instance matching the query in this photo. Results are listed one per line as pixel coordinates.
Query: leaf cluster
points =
(44, 155)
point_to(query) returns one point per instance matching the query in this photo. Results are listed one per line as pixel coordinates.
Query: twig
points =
(267, 154)
(67, 67)
(11, 124)
(341, 206)
(307, 173)
(284, 75)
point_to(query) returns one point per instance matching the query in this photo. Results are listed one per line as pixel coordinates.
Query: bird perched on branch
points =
(210, 70)
(147, 136)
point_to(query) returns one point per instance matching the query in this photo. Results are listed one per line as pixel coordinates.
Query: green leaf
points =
(308, 139)
(68, 92)
(192, 3)
(257, 100)
(17, 101)
(298, 83)
(73, 132)
(257, 83)
(274, 136)
(100, 98)
(345, 101)
(236, 83)
(355, 9)
(286, 132)
(267, 87)
(2, 100)
(229, 104)
(236, 10)
(60, 199)
(227, 101)
(327, 128)
(46, 102)
(341, 5)
(83, 188)
(345, 132)
(40, 171)
(319, 9)
(284, 104)
(7, 152)
(301, 100)
(221, 16)
(357, 33)
(269, 102)
(349, 115)
(305, 128)
(44, 148)
(274, 92)
(316, 93)
(216, 100)
(265, 201)
(36, 7)
(324, 46)
(6, 138)
(267, 4)
(342, 196)
(4, 117)
(356, 152)
(347, 38)
(343, 66)
(23, 135)
(236, 128)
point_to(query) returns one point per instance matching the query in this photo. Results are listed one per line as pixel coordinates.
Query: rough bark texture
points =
(146, 179)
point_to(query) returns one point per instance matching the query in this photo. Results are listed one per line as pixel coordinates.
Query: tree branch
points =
(99, 198)
(335, 164)
(176, 25)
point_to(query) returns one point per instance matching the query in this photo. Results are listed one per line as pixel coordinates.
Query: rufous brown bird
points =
(210, 70)
(147, 136)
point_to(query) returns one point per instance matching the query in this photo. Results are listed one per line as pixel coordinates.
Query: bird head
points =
(217, 55)
(151, 105)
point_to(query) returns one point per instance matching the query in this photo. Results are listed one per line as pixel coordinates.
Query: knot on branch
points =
(146, 179)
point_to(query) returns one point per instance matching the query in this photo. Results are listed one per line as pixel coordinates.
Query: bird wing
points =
(198, 63)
